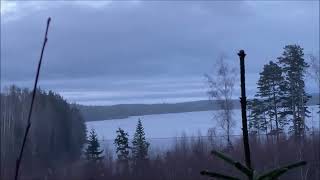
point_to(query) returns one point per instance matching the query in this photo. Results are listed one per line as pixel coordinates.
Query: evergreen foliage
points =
(57, 134)
(257, 119)
(247, 169)
(93, 152)
(122, 145)
(139, 144)
(270, 91)
(294, 98)
(281, 90)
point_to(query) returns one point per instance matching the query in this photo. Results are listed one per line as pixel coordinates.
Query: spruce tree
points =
(270, 90)
(139, 144)
(93, 152)
(122, 144)
(295, 98)
(122, 148)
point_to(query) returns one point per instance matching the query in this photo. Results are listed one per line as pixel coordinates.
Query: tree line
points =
(188, 156)
(56, 136)
(120, 111)
(281, 99)
(129, 157)
(280, 103)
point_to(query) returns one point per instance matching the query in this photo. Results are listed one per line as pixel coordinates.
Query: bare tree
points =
(221, 87)
(314, 68)
(314, 72)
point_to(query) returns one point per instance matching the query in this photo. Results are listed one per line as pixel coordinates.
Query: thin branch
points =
(279, 171)
(236, 164)
(18, 162)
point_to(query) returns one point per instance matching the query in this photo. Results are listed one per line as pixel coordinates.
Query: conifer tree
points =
(247, 169)
(139, 144)
(270, 90)
(122, 144)
(257, 118)
(122, 148)
(93, 152)
(295, 98)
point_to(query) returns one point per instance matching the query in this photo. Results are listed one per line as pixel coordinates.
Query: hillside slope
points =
(93, 113)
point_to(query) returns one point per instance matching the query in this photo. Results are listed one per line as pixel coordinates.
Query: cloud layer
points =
(94, 46)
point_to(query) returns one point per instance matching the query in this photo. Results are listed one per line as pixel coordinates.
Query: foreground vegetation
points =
(56, 137)
(190, 156)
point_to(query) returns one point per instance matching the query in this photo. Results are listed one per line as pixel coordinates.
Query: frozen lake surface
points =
(162, 125)
(162, 129)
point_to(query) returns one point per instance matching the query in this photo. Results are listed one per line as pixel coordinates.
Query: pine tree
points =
(139, 144)
(247, 170)
(257, 118)
(295, 98)
(270, 90)
(122, 148)
(93, 152)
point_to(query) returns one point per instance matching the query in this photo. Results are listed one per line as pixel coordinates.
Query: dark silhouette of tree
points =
(93, 152)
(140, 146)
(122, 149)
(294, 98)
(57, 135)
(257, 119)
(270, 91)
(247, 169)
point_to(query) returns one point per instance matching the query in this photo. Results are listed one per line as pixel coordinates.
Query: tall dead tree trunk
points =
(243, 101)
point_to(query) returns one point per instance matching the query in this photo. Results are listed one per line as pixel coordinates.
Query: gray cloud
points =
(95, 46)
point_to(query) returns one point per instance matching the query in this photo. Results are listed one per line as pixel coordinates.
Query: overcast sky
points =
(147, 52)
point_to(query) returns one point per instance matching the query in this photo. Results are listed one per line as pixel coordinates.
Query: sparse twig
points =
(19, 159)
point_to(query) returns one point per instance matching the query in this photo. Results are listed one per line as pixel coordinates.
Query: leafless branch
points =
(19, 159)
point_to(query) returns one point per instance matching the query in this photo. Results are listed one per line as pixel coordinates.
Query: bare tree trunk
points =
(244, 111)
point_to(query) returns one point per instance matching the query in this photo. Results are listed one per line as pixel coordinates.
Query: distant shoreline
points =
(121, 111)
